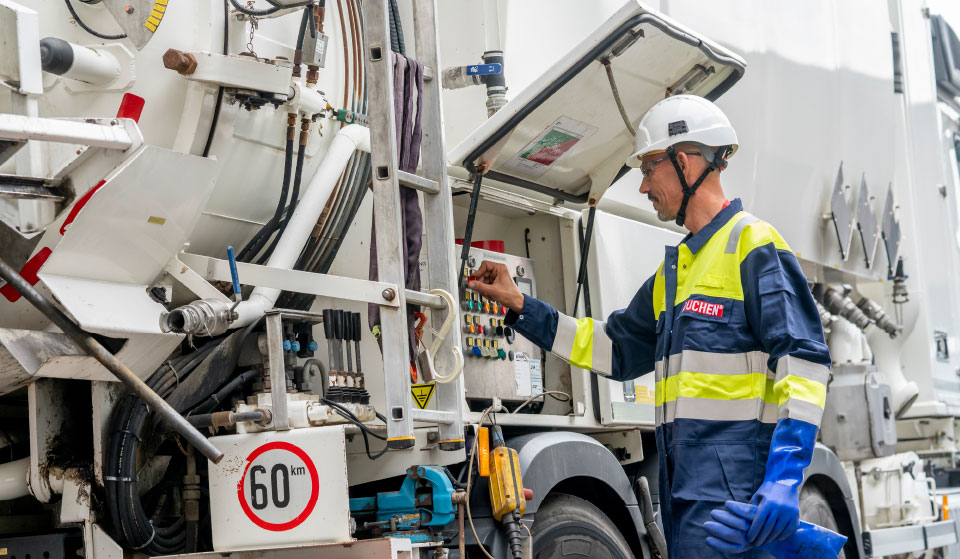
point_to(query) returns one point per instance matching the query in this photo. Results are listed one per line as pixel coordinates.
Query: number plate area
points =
(280, 488)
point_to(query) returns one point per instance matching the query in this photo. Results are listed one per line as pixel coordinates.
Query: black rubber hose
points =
(252, 12)
(86, 28)
(219, 103)
(294, 197)
(256, 244)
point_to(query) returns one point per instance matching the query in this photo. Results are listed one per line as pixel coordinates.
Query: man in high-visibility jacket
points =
(728, 325)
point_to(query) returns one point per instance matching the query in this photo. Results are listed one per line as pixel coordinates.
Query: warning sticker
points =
(538, 156)
(422, 393)
(279, 487)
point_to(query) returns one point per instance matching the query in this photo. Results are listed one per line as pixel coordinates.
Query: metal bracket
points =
(890, 231)
(841, 215)
(866, 223)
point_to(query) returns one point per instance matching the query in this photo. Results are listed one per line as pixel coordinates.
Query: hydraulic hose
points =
(256, 244)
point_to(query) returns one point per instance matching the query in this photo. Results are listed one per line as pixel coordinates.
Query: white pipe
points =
(491, 25)
(13, 479)
(349, 139)
(96, 67)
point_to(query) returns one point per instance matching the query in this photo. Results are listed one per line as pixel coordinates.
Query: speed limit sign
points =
(279, 486)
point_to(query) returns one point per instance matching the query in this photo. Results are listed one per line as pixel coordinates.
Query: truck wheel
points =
(568, 527)
(815, 508)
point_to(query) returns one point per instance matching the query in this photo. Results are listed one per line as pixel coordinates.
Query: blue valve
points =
(484, 69)
(233, 273)
(312, 345)
(295, 346)
(287, 345)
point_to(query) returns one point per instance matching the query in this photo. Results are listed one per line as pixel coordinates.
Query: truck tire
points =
(568, 527)
(815, 508)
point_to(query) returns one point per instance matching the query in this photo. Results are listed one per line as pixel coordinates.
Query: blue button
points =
(295, 346)
(476, 351)
(312, 345)
(286, 345)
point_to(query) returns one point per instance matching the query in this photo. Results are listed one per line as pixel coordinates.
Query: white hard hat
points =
(682, 118)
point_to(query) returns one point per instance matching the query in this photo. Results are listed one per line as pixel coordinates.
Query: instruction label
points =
(422, 393)
(279, 487)
(538, 156)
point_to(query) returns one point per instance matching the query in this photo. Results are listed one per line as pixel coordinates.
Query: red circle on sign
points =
(314, 484)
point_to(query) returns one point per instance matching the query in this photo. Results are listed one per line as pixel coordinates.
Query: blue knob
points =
(312, 345)
(295, 346)
(286, 345)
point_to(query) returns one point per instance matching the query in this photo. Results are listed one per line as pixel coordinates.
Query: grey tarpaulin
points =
(408, 102)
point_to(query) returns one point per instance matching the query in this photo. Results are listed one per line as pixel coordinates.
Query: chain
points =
(254, 24)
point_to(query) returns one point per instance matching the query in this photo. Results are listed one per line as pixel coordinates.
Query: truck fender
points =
(827, 471)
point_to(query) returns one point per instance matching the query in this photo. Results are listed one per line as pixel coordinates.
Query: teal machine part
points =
(419, 511)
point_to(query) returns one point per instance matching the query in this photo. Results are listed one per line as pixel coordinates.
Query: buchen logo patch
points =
(704, 308)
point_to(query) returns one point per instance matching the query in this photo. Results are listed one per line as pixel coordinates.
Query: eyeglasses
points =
(647, 167)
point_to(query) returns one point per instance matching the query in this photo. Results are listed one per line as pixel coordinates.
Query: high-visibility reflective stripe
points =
(584, 344)
(734, 237)
(714, 363)
(715, 387)
(602, 349)
(718, 410)
(790, 365)
(799, 388)
(800, 410)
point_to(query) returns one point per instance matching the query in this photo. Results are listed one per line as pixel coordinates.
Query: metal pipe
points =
(226, 418)
(85, 64)
(108, 360)
(13, 479)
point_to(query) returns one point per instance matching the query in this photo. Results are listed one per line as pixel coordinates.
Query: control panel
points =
(498, 362)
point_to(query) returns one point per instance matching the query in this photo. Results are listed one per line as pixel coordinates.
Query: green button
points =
(501, 354)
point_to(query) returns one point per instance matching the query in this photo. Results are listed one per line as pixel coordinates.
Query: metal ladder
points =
(438, 221)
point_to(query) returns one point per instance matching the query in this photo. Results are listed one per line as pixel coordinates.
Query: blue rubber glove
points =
(809, 541)
(778, 512)
(778, 499)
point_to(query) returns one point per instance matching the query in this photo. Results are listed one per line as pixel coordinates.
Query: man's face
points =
(661, 185)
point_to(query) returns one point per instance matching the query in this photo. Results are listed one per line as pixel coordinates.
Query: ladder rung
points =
(431, 416)
(418, 182)
(425, 299)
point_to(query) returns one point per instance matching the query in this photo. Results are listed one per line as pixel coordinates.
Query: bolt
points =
(389, 294)
(128, 9)
(183, 62)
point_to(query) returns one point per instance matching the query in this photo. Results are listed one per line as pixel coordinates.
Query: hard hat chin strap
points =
(719, 162)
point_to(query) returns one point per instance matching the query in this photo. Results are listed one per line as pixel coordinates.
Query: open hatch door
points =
(564, 135)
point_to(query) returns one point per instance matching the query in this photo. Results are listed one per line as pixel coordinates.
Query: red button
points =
(527, 494)
(503, 310)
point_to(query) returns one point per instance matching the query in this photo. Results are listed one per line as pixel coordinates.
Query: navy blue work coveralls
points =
(732, 332)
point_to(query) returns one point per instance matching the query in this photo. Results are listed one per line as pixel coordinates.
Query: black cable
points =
(526, 240)
(219, 103)
(307, 15)
(468, 234)
(584, 252)
(85, 27)
(396, 29)
(252, 12)
(364, 430)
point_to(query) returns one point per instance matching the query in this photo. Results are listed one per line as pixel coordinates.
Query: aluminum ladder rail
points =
(438, 222)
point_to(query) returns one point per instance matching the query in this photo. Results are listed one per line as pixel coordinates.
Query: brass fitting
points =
(313, 74)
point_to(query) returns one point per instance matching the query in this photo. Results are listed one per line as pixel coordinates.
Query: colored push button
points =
(476, 319)
(510, 355)
(295, 345)
(477, 352)
(501, 354)
(286, 345)
(503, 310)
(499, 330)
(479, 329)
(486, 307)
(469, 329)
(312, 345)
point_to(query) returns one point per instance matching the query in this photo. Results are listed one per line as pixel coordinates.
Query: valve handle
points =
(232, 259)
